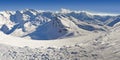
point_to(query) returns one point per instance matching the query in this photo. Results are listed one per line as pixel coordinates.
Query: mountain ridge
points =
(75, 23)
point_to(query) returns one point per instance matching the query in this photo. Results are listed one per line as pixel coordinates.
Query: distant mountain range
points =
(46, 25)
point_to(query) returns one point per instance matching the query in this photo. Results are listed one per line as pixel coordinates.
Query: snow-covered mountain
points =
(59, 35)
(37, 24)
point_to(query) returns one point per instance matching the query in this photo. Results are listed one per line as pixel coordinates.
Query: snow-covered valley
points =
(62, 35)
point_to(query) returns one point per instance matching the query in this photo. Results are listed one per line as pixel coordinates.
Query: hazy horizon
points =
(108, 6)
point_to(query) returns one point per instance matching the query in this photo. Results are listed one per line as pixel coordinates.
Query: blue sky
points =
(108, 6)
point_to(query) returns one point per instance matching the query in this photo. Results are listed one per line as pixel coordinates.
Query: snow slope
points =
(21, 42)
(15, 48)
(97, 46)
